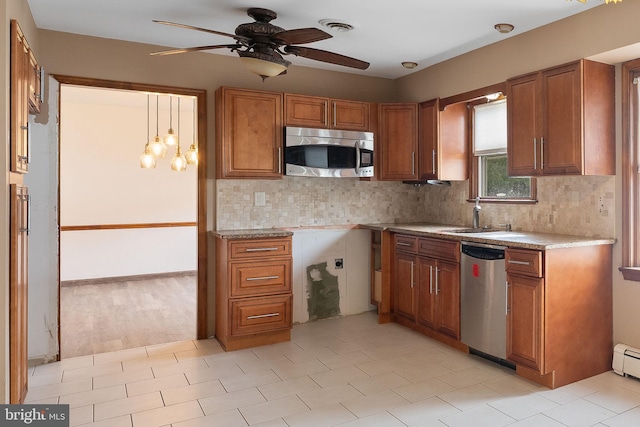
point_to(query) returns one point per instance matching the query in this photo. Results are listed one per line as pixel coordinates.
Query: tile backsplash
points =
(578, 205)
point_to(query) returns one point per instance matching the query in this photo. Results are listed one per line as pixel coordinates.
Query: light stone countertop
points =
(261, 233)
(512, 239)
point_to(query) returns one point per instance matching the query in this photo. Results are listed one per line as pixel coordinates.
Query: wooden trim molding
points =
(203, 174)
(630, 181)
(126, 226)
(473, 95)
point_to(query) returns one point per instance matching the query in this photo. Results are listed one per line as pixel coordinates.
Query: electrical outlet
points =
(259, 198)
(601, 207)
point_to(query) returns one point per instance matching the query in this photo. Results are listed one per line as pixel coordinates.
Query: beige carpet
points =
(98, 318)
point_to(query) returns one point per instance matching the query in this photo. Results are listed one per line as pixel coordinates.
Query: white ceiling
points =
(387, 33)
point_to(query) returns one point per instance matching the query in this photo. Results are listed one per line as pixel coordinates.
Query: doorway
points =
(131, 239)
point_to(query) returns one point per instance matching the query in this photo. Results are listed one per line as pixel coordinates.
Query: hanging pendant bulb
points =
(192, 152)
(147, 160)
(158, 147)
(179, 162)
(171, 138)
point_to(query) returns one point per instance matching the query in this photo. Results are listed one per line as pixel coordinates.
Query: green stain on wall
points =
(324, 295)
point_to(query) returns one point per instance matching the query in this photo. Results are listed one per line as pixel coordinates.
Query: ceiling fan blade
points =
(301, 36)
(325, 56)
(193, 49)
(191, 27)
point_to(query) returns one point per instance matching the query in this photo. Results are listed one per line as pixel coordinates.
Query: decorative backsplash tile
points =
(582, 206)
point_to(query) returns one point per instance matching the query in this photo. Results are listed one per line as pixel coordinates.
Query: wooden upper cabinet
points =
(248, 134)
(20, 76)
(35, 84)
(398, 141)
(319, 112)
(443, 137)
(561, 121)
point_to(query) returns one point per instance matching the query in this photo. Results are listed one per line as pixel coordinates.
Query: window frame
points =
(474, 168)
(630, 173)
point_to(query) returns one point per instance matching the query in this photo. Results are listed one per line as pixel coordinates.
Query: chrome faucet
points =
(476, 213)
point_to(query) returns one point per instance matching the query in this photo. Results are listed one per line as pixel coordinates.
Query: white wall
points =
(314, 246)
(103, 133)
(42, 181)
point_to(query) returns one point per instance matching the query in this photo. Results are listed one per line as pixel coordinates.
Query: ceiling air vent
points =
(337, 25)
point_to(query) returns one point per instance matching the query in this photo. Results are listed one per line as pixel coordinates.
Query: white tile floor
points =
(349, 371)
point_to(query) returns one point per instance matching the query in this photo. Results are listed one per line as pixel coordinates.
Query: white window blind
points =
(490, 128)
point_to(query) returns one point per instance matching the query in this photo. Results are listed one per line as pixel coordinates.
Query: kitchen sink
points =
(474, 230)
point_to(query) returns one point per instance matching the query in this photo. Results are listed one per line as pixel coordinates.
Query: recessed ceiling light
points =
(504, 28)
(337, 25)
(409, 65)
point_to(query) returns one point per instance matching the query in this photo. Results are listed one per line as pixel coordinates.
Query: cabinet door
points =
(398, 141)
(249, 141)
(306, 111)
(523, 136)
(405, 280)
(350, 115)
(447, 287)
(561, 148)
(428, 139)
(524, 320)
(35, 85)
(426, 292)
(19, 101)
(18, 291)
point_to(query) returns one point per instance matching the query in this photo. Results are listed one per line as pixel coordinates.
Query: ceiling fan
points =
(261, 45)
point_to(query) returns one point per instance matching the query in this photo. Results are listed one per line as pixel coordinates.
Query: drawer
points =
(255, 315)
(257, 248)
(404, 243)
(439, 249)
(260, 278)
(524, 261)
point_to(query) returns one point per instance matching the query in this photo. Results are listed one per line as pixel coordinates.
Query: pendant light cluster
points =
(157, 147)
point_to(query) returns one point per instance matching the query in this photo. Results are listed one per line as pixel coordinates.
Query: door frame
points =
(201, 220)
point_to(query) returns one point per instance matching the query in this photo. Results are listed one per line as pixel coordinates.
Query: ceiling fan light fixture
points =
(262, 64)
(504, 28)
(337, 25)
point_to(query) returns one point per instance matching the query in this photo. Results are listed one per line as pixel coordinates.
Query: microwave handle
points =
(357, 158)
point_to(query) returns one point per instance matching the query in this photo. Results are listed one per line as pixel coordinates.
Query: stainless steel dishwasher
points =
(483, 299)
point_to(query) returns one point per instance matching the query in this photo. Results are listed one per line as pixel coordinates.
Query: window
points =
(630, 167)
(489, 178)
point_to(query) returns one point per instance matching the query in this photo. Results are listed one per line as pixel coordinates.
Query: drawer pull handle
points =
(404, 244)
(262, 278)
(519, 262)
(260, 316)
(260, 249)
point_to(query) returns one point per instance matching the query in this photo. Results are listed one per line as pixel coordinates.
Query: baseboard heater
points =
(626, 360)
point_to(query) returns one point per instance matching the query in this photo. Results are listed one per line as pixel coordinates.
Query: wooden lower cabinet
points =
(18, 292)
(253, 291)
(559, 321)
(427, 286)
(524, 320)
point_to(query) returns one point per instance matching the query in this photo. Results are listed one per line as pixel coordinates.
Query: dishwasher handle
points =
(485, 252)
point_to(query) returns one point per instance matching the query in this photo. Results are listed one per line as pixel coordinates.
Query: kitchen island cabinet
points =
(253, 291)
(248, 134)
(560, 121)
(326, 113)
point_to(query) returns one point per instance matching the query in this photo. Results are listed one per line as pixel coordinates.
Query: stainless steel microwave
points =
(328, 153)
